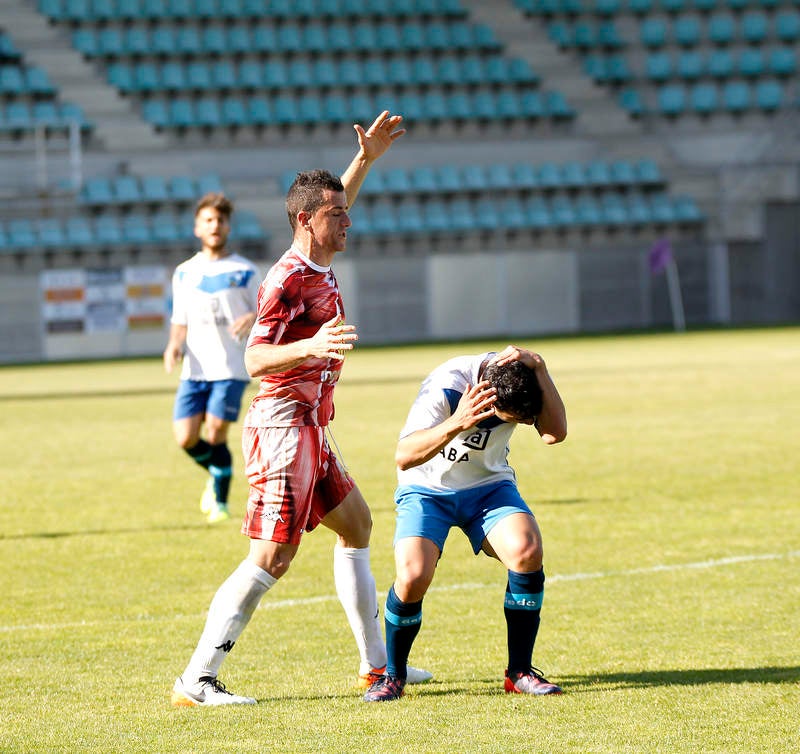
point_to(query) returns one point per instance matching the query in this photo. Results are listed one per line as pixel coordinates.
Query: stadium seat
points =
(587, 211)
(424, 180)
(573, 175)
(38, 83)
(512, 213)
(768, 95)
(97, 191)
(637, 212)
(224, 75)
(166, 228)
(162, 41)
(751, 63)
(499, 178)
(107, 230)
(436, 216)
(721, 28)
(209, 183)
(623, 174)
(691, 64)
(787, 26)
(335, 108)
(156, 113)
(755, 27)
(613, 209)
(181, 113)
(246, 227)
(525, 176)
(154, 189)
(704, 98)
(182, 188)
(146, 77)
(598, 174)
(384, 220)
(672, 100)
(448, 179)
(136, 229)
(736, 96)
(653, 32)
(396, 181)
(550, 176)
(21, 234)
(125, 190)
(259, 111)
(562, 212)
(662, 209)
(782, 62)
(78, 232)
(648, 173)
(537, 213)
(631, 101)
(720, 64)
(686, 210)
(531, 105)
(686, 31)
(410, 218)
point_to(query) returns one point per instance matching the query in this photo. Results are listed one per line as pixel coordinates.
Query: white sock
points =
(355, 587)
(229, 613)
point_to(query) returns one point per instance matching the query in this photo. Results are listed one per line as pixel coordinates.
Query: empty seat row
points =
(366, 36)
(464, 215)
(20, 116)
(750, 62)
(18, 80)
(101, 191)
(52, 234)
(585, 35)
(98, 11)
(142, 78)
(285, 110)
(708, 98)
(643, 174)
(721, 29)
(610, 8)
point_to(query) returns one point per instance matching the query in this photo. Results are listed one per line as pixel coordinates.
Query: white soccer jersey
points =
(207, 296)
(473, 458)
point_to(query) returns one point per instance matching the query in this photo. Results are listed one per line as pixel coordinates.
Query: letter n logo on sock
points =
(226, 646)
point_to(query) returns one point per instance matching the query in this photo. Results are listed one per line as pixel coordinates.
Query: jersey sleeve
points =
(434, 403)
(179, 314)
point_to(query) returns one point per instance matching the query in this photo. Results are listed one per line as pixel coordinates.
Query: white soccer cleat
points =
(219, 512)
(209, 497)
(208, 692)
(417, 675)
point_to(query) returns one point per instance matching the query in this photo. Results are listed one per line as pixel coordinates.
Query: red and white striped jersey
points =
(296, 298)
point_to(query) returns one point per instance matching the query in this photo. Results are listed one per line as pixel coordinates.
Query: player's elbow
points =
(555, 436)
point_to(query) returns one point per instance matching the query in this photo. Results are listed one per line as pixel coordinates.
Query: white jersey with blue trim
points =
(473, 458)
(207, 296)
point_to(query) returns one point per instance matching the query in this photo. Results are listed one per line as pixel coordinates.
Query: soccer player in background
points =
(453, 471)
(213, 308)
(296, 348)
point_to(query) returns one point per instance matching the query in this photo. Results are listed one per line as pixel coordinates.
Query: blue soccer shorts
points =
(220, 398)
(427, 513)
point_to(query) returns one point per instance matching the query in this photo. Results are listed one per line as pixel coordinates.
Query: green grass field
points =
(671, 521)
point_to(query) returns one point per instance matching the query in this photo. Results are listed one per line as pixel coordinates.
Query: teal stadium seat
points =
(182, 189)
(525, 176)
(181, 113)
(50, 233)
(436, 216)
(78, 232)
(214, 40)
(736, 96)
(125, 190)
(573, 175)
(768, 95)
(154, 189)
(397, 181)
(137, 41)
(638, 210)
(107, 230)
(648, 173)
(512, 213)
(598, 174)
(239, 41)
(146, 77)
(782, 62)
(156, 113)
(166, 228)
(207, 113)
(162, 41)
(613, 209)
(630, 99)
(264, 40)
(96, 191)
(259, 112)
(691, 64)
(410, 219)
(198, 76)
(704, 98)
(459, 104)
(722, 28)
(424, 180)
(787, 26)
(686, 31)
(335, 108)
(658, 66)
(462, 215)
(672, 100)
(537, 213)
(755, 27)
(21, 234)
(751, 63)
(499, 178)
(448, 179)
(136, 229)
(234, 112)
(587, 211)
(653, 32)
(550, 176)
(562, 212)
(720, 64)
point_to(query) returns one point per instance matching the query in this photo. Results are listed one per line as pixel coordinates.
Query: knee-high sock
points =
(403, 621)
(355, 587)
(200, 452)
(523, 604)
(221, 467)
(230, 611)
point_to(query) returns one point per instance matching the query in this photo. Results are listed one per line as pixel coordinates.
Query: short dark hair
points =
(217, 201)
(518, 389)
(306, 194)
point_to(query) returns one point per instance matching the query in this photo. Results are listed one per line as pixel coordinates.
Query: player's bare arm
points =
(552, 421)
(173, 353)
(329, 342)
(476, 404)
(372, 144)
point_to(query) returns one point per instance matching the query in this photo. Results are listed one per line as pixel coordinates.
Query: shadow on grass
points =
(101, 532)
(617, 681)
(692, 677)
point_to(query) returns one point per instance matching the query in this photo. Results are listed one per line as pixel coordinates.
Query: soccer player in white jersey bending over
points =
(213, 308)
(297, 347)
(452, 471)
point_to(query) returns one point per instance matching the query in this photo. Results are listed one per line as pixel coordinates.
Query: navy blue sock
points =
(201, 453)
(220, 467)
(523, 604)
(403, 621)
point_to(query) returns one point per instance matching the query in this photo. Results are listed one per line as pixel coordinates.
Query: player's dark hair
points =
(518, 389)
(307, 192)
(216, 201)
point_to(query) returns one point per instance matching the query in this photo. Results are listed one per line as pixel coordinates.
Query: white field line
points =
(556, 578)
